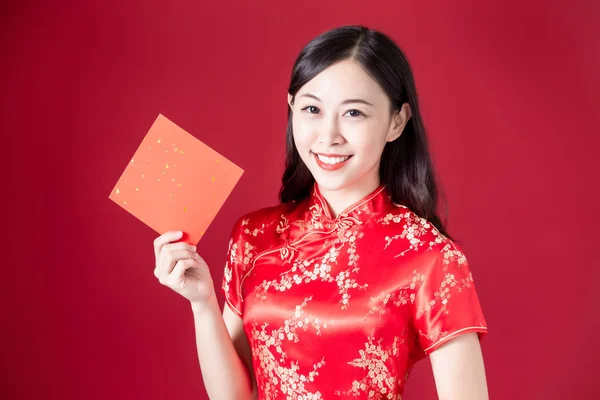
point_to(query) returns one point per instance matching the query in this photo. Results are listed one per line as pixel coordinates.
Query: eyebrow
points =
(347, 101)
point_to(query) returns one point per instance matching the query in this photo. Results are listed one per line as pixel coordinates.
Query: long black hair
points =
(406, 167)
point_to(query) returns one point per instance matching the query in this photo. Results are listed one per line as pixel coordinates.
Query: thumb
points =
(180, 267)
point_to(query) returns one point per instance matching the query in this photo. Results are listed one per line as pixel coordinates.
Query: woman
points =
(339, 290)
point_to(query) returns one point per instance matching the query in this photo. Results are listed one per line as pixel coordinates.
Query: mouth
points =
(330, 162)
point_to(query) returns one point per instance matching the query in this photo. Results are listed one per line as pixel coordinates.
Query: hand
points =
(179, 267)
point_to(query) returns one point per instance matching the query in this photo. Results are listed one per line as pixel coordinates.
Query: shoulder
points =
(407, 232)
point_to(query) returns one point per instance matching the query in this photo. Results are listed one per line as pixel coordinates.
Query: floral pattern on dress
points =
(344, 307)
(378, 382)
(281, 378)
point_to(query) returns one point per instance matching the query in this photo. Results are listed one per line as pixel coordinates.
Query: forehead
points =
(344, 80)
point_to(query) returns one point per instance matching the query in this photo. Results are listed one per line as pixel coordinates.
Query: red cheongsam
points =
(341, 308)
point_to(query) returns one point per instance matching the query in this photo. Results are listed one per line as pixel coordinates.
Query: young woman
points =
(336, 292)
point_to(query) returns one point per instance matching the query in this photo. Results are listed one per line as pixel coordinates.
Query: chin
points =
(330, 183)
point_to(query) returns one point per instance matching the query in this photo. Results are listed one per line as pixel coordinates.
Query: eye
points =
(354, 113)
(311, 109)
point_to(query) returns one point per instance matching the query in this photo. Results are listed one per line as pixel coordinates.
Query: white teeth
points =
(332, 160)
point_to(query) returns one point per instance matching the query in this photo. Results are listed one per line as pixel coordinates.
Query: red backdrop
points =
(510, 98)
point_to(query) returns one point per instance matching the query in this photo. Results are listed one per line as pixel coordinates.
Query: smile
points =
(331, 162)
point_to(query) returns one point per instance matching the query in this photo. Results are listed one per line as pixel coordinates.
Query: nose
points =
(329, 132)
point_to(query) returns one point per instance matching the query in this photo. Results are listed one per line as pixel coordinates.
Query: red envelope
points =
(175, 182)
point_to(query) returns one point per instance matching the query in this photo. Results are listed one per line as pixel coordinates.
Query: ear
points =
(398, 123)
(290, 100)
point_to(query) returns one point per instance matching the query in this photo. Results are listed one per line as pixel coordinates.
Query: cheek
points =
(302, 135)
(370, 150)
(369, 140)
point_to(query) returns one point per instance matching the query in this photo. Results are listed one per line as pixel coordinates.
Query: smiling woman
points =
(339, 290)
(342, 122)
(358, 279)
(353, 86)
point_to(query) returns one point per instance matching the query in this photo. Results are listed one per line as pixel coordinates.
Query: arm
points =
(458, 369)
(223, 352)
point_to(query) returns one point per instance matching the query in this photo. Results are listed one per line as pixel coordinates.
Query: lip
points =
(329, 167)
(332, 155)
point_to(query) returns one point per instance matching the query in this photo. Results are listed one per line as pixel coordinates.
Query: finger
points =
(180, 267)
(199, 258)
(165, 238)
(169, 260)
(170, 247)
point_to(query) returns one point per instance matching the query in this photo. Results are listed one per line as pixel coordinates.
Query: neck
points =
(340, 199)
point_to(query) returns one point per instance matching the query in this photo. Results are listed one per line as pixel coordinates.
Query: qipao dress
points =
(342, 308)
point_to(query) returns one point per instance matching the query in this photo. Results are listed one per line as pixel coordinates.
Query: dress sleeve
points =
(446, 304)
(233, 272)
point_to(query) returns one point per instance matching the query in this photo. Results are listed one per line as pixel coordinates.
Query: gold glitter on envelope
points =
(191, 207)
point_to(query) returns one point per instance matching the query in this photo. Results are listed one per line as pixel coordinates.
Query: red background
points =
(510, 99)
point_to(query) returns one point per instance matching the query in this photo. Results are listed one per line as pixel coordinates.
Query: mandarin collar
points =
(358, 213)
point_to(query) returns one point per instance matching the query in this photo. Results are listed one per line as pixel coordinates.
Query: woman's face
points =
(341, 122)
